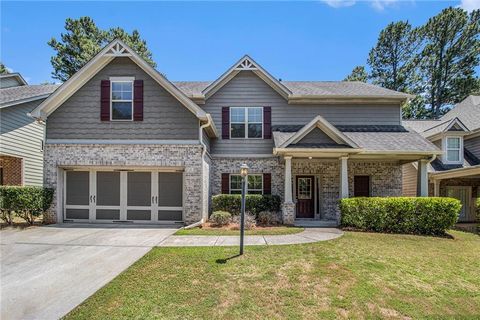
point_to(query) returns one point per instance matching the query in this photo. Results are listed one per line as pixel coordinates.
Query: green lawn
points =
(360, 275)
(226, 232)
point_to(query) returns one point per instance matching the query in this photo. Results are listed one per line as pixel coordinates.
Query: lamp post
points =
(243, 174)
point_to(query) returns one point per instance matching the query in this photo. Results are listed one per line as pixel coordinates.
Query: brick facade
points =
(385, 179)
(12, 173)
(187, 157)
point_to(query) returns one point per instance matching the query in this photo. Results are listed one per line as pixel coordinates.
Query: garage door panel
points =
(76, 213)
(108, 188)
(139, 214)
(170, 215)
(77, 184)
(108, 214)
(170, 189)
(139, 190)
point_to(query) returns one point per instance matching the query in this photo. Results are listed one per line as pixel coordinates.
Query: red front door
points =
(305, 196)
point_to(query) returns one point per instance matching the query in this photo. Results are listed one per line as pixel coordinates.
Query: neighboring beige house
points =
(456, 172)
(125, 144)
(21, 137)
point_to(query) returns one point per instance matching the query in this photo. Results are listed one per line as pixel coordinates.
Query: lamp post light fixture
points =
(244, 175)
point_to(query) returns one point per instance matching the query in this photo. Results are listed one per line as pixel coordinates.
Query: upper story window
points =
(254, 185)
(246, 123)
(453, 150)
(122, 99)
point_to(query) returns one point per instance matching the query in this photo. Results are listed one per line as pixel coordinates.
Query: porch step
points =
(316, 223)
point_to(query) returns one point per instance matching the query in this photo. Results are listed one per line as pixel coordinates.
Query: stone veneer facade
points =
(189, 157)
(385, 179)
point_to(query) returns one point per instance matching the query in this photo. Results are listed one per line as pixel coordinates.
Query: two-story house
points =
(456, 172)
(21, 137)
(125, 144)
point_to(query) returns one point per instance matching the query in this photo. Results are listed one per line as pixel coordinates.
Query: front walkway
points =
(307, 236)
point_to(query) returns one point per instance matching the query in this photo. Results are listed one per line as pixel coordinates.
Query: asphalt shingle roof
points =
(378, 138)
(313, 88)
(19, 93)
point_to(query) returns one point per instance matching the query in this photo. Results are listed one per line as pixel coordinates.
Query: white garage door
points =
(119, 196)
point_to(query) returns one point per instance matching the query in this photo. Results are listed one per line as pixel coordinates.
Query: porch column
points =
(288, 179)
(343, 177)
(436, 188)
(422, 178)
(288, 207)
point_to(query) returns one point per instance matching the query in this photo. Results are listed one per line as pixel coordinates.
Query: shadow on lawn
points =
(223, 261)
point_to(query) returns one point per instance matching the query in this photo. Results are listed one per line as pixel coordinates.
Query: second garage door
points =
(119, 196)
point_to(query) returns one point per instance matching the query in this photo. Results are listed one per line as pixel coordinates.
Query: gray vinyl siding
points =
(22, 137)
(246, 89)
(409, 180)
(473, 145)
(9, 82)
(316, 136)
(164, 118)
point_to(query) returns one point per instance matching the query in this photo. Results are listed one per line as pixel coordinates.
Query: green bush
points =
(27, 202)
(221, 218)
(478, 209)
(412, 215)
(254, 203)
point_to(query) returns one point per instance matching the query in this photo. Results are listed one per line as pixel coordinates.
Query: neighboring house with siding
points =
(125, 144)
(456, 172)
(21, 137)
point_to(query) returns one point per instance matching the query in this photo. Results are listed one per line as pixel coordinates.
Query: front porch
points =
(315, 184)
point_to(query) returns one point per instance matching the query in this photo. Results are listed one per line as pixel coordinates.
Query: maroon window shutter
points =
(105, 100)
(267, 122)
(138, 100)
(267, 183)
(225, 123)
(225, 183)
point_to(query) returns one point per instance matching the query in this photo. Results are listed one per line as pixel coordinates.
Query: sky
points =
(303, 40)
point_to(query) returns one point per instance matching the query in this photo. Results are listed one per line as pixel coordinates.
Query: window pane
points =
(254, 192)
(121, 110)
(255, 182)
(254, 130)
(235, 191)
(238, 114)
(453, 143)
(116, 95)
(255, 115)
(235, 182)
(453, 155)
(238, 131)
(126, 95)
(116, 86)
(127, 86)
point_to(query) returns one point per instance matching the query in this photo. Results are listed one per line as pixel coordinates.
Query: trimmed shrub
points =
(27, 202)
(414, 215)
(221, 218)
(268, 218)
(255, 203)
(250, 221)
(478, 209)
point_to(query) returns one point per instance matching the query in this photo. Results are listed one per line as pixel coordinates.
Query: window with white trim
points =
(454, 149)
(246, 122)
(254, 185)
(121, 100)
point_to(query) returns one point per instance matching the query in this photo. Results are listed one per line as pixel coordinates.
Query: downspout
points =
(204, 152)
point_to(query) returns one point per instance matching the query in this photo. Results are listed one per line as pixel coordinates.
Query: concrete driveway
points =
(47, 271)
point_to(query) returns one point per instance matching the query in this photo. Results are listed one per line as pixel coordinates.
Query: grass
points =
(228, 232)
(360, 275)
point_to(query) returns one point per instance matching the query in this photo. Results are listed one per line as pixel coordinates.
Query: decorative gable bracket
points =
(246, 64)
(118, 50)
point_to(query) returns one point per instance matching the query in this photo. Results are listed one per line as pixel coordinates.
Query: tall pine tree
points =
(82, 40)
(358, 74)
(449, 56)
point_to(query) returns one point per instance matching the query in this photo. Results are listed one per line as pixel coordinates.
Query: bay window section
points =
(254, 184)
(246, 122)
(453, 149)
(122, 100)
